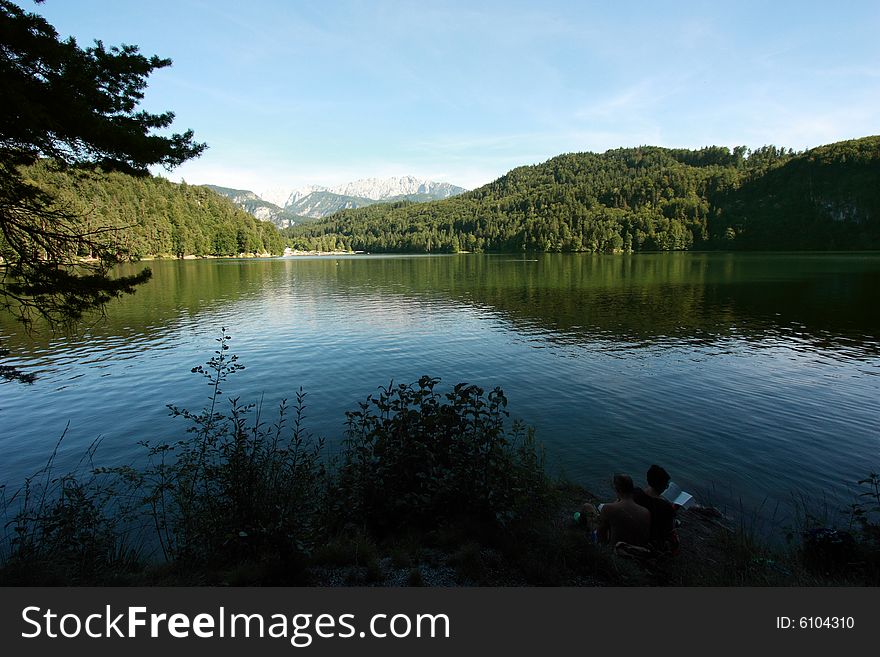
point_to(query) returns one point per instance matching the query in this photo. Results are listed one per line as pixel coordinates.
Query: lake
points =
(753, 378)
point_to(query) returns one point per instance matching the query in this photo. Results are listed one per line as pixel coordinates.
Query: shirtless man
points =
(624, 520)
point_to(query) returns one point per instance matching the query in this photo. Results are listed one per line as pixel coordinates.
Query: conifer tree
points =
(78, 108)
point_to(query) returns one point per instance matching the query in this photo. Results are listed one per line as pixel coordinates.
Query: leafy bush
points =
(413, 457)
(235, 488)
(67, 529)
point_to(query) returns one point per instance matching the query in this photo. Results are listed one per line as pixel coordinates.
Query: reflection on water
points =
(756, 374)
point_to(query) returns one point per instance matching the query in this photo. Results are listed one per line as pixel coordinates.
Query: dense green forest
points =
(155, 216)
(624, 200)
(637, 199)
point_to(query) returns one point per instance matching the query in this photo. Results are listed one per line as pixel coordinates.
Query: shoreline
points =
(296, 253)
(240, 256)
(290, 253)
(190, 256)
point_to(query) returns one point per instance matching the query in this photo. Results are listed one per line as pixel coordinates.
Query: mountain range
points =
(285, 208)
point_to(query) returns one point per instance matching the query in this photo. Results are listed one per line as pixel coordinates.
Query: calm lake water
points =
(750, 377)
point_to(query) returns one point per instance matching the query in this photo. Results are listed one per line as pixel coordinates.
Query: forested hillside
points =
(155, 216)
(638, 199)
(824, 199)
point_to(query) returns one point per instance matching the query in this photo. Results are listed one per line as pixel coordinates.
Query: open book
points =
(677, 496)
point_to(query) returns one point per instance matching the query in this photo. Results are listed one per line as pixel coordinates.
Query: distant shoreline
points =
(204, 257)
(295, 252)
(287, 253)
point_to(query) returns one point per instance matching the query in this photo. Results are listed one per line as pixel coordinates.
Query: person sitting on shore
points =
(624, 520)
(663, 537)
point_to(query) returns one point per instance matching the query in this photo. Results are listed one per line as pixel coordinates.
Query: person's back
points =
(662, 515)
(661, 510)
(624, 520)
(627, 521)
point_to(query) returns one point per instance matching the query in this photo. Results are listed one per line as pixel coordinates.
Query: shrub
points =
(235, 488)
(68, 529)
(415, 458)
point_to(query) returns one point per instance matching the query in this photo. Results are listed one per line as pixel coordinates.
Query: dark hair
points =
(658, 478)
(623, 484)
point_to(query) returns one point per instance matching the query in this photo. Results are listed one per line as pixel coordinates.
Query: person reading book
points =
(663, 536)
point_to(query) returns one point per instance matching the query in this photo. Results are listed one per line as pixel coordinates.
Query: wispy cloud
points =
(639, 100)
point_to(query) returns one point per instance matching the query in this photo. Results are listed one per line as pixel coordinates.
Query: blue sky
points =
(289, 93)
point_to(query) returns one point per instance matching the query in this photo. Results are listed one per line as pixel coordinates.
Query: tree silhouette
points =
(77, 108)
